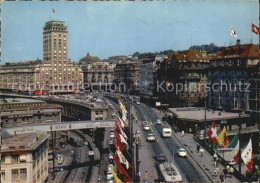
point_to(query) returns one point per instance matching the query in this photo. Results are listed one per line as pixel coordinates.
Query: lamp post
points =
(205, 122)
(239, 137)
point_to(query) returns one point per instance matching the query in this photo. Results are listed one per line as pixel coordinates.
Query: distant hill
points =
(210, 48)
(144, 55)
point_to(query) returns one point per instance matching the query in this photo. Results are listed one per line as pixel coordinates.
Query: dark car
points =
(160, 156)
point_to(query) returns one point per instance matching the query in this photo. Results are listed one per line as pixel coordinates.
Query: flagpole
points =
(239, 137)
(205, 122)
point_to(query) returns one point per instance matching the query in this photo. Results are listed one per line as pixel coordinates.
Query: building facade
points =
(20, 76)
(127, 76)
(229, 77)
(148, 68)
(24, 158)
(183, 77)
(98, 75)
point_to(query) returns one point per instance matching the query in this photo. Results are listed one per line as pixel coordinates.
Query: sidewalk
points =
(145, 157)
(206, 161)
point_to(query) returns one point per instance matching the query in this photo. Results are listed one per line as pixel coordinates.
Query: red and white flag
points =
(120, 167)
(122, 158)
(212, 133)
(255, 29)
(247, 156)
(121, 130)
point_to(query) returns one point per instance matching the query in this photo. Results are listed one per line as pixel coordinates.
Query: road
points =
(78, 170)
(188, 168)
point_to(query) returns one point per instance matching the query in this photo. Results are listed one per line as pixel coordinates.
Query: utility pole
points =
(239, 138)
(205, 122)
(131, 129)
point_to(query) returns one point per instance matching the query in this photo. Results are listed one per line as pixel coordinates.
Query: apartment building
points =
(24, 158)
(230, 73)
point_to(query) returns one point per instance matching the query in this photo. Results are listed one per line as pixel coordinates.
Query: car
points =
(181, 152)
(112, 135)
(109, 173)
(150, 137)
(147, 127)
(91, 153)
(110, 142)
(232, 162)
(160, 156)
(110, 180)
(158, 122)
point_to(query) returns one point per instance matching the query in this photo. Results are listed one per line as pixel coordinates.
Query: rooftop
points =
(25, 142)
(238, 51)
(189, 56)
(20, 101)
(197, 114)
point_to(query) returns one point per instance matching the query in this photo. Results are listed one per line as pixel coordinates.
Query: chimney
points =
(238, 42)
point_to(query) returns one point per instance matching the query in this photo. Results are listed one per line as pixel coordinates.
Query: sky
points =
(121, 28)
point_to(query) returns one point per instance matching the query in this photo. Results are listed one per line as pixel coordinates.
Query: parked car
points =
(181, 152)
(150, 137)
(91, 153)
(147, 127)
(112, 135)
(159, 122)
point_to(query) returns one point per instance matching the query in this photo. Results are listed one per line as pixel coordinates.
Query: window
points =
(3, 175)
(15, 175)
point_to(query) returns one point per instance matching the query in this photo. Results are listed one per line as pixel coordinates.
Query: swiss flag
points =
(212, 133)
(255, 29)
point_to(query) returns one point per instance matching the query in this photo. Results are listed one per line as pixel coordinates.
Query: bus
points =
(166, 132)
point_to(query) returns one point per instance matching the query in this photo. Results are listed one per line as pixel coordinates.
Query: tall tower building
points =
(55, 42)
(57, 73)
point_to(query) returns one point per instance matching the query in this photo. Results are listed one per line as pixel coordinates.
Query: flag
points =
(232, 32)
(169, 85)
(122, 158)
(121, 131)
(255, 29)
(123, 141)
(223, 138)
(120, 167)
(53, 10)
(247, 156)
(212, 133)
(116, 179)
(234, 152)
(122, 123)
(118, 142)
(127, 180)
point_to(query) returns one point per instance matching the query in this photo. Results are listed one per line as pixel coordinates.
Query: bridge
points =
(59, 126)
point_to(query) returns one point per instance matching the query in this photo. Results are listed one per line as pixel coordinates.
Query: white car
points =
(109, 173)
(147, 127)
(181, 152)
(112, 135)
(91, 153)
(110, 157)
(150, 137)
(158, 122)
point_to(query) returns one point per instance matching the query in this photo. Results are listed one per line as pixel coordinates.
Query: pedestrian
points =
(198, 148)
(146, 176)
(225, 172)
(231, 170)
(221, 177)
(139, 175)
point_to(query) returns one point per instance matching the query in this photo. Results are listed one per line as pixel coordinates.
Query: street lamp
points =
(239, 137)
(205, 122)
